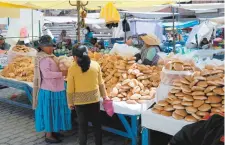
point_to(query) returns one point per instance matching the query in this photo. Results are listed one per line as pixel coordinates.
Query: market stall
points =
(190, 96)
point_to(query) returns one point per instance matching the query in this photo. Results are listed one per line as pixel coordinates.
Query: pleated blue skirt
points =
(52, 113)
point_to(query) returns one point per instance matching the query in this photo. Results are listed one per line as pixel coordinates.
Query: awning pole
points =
(125, 33)
(173, 29)
(78, 21)
(32, 23)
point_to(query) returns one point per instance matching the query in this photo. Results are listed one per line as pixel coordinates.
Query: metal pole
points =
(78, 21)
(39, 23)
(125, 33)
(32, 23)
(173, 29)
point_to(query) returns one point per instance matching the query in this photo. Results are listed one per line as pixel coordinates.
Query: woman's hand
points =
(106, 98)
(71, 106)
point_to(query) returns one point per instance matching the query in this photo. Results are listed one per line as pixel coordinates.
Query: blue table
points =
(131, 128)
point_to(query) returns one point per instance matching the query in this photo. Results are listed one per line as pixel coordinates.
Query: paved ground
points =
(17, 126)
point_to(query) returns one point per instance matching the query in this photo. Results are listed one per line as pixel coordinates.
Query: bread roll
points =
(198, 93)
(186, 103)
(116, 99)
(190, 118)
(194, 82)
(181, 112)
(146, 97)
(218, 91)
(191, 109)
(168, 108)
(215, 110)
(201, 113)
(188, 98)
(185, 88)
(196, 116)
(200, 97)
(158, 107)
(214, 99)
(131, 102)
(198, 103)
(162, 103)
(178, 84)
(216, 105)
(156, 111)
(179, 94)
(184, 81)
(178, 106)
(197, 88)
(209, 89)
(175, 101)
(178, 67)
(166, 113)
(135, 97)
(174, 91)
(202, 84)
(177, 117)
(204, 107)
(211, 94)
(200, 78)
(189, 78)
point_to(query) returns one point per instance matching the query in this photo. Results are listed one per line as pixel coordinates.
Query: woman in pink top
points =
(52, 114)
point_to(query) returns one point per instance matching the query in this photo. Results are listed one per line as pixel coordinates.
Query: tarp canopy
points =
(72, 19)
(148, 15)
(93, 4)
(181, 25)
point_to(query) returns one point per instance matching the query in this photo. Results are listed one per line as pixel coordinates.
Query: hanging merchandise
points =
(83, 16)
(126, 26)
(111, 15)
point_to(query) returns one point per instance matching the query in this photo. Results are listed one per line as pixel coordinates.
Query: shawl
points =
(37, 75)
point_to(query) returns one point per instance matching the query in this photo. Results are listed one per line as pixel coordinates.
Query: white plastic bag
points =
(124, 50)
(168, 76)
(65, 62)
(12, 54)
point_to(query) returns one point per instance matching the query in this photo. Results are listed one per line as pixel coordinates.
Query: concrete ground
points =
(17, 126)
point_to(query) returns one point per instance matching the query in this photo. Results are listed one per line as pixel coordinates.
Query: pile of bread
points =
(21, 48)
(95, 55)
(179, 65)
(127, 81)
(21, 68)
(195, 96)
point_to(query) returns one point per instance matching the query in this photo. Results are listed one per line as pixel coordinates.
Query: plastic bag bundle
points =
(65, 62)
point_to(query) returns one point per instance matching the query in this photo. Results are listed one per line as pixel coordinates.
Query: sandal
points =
(52, 140)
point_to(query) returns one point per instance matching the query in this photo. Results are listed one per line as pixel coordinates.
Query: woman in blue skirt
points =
(52, 114)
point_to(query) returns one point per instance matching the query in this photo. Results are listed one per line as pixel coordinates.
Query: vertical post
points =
(78, 21)
(8, 21)
(39, 24)
(125, 33)
(173, 29)
(32, 23)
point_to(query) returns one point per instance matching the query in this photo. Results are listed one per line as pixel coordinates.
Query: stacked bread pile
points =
(137, 84)
(95, 55)
(21, 48)
(21, 68)
(193, 97)
(179, 65)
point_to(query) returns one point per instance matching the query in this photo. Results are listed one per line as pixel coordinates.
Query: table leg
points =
(145, 136)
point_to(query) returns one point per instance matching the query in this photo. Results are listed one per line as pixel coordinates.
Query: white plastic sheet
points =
(161, 123)
(130, 109)
(124, 50)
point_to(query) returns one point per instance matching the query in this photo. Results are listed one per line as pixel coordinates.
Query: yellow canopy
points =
(93, 4)
(110, 13)
(7, 4)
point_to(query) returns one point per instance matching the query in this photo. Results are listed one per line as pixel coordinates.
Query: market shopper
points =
(49, 96)
(148, 54)
(3, 44)
(84, 88)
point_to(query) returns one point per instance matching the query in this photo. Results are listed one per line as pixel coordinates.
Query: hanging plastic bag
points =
(12, 53)
(108, 107)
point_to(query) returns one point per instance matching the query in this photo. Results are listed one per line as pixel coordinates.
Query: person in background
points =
(89, 35)
(63, 37)
(24, 38)
(52, 114)
(205, 44)
(84, 88)
(3, 44)
(148, 54)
